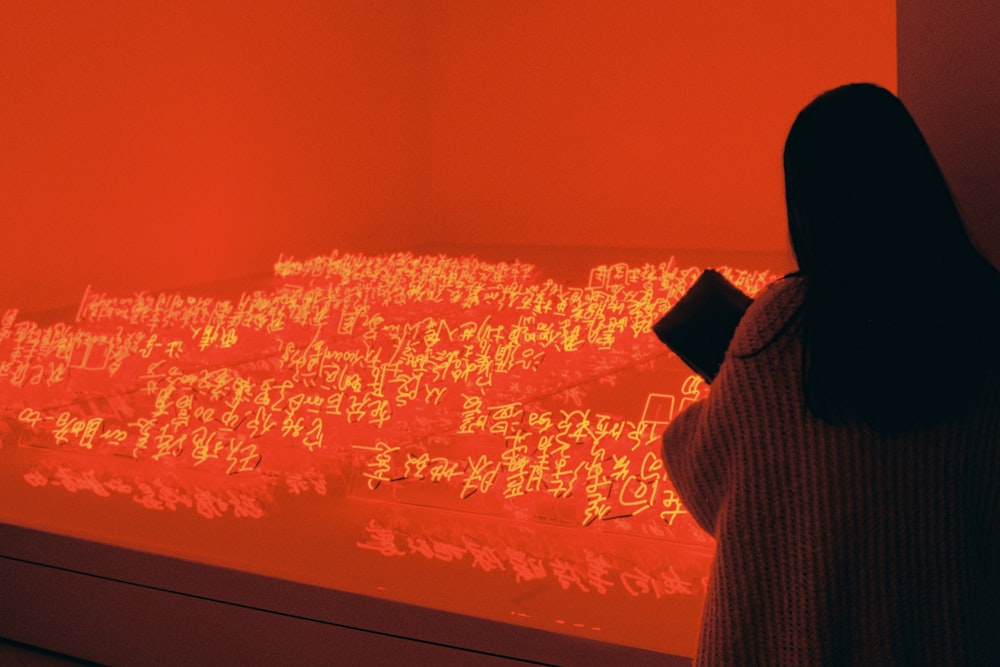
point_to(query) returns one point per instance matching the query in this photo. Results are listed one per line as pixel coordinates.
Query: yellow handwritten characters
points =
(379, 470)
(473, 378)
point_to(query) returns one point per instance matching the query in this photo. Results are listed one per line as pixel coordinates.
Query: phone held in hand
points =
(700, 325)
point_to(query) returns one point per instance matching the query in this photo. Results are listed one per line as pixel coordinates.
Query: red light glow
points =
(465, 416)
(435, 380)
(496, 402)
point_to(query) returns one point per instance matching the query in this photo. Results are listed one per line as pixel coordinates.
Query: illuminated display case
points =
(443, 449)
(436, 432)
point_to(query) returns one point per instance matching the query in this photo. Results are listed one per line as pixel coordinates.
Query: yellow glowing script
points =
(427, 379)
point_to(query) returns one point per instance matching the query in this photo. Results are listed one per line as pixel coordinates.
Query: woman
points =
(847, 458)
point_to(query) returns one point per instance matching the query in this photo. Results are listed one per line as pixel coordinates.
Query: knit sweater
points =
(836, 545)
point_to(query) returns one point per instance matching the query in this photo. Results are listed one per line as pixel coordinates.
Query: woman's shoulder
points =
(770, 315)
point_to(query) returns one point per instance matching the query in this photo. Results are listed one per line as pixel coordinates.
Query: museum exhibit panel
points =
(328, 328)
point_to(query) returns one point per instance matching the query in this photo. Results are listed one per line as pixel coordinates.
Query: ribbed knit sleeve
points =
(695, 447)
(836, 544)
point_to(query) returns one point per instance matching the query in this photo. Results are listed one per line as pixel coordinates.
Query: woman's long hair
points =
(900, 309)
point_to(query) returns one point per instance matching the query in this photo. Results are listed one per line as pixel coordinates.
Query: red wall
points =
(154, 144)
(148, 145)
(644, 123)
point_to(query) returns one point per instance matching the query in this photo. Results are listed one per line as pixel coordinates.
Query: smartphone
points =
(700, 325)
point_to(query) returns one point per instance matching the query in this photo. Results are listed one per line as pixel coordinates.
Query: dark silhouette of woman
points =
(847, 458)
